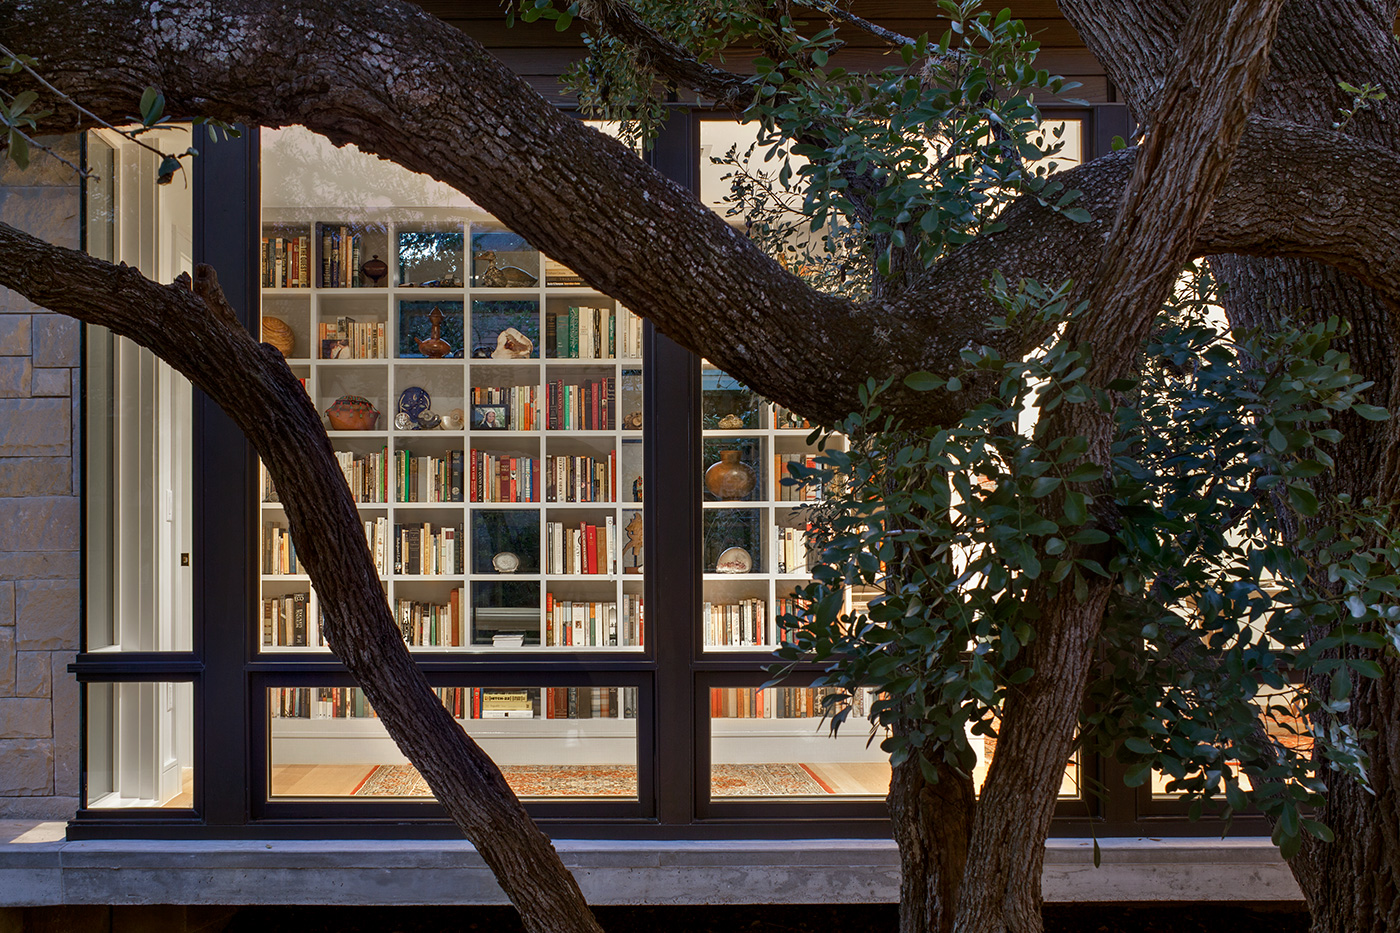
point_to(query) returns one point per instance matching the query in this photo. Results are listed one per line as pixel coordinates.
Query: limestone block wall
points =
(40, 511)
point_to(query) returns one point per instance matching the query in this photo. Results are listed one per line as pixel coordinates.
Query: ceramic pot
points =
(730, 479)
(375, 269)
(352, 413)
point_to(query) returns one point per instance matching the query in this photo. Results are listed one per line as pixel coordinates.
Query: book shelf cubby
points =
(754, 546)
(487, 419)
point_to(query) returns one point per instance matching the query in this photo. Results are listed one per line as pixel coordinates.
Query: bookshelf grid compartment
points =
(754, 547)
(558, 395)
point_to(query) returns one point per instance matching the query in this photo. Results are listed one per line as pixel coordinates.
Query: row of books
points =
(340, 256)
(504, 478)
(788, 492)
(285, 262)
(348, 339)
(581, 479)
(787, 608)
(522, 408)
(319, 703)
(279, 554)
(366, 474)
(287, 622)
(377, 540)
(429, 550)
(465, 702)
(587, 549)
(792, 550)
(428, 479)
(584, 624)
(590, 702)
(780, 702)
(585, 407)
(741, 623)
(583, 333)
(435, 625)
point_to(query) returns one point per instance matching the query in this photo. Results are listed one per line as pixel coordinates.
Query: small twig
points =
(76, 106)
(81, 172)
(898, 40)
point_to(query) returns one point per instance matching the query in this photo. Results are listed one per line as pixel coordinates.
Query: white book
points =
(608, 545)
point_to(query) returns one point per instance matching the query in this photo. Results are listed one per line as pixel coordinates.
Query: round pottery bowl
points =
(352, 413)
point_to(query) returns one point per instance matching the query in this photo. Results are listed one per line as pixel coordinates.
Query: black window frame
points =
(673, 674)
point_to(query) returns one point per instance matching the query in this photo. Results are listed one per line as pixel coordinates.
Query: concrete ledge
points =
(38, 867)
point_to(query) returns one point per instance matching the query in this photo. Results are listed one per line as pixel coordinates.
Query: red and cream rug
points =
(744, 780)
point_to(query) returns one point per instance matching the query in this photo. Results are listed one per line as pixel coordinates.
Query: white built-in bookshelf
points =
(509, 531)
(763, 529)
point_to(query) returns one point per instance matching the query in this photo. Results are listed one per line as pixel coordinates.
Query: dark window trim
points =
(673, 729)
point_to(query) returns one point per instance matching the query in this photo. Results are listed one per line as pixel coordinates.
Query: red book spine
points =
(590, 549)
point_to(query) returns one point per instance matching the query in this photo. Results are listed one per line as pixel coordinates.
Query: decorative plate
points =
(413, 401)
(734, 560)
(505, 562)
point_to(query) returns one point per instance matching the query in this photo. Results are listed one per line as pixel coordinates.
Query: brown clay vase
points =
(729, 478)
(435, 348)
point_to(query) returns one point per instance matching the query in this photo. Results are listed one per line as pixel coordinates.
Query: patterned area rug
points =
(762, 780)
(525, 780)
(767, 780)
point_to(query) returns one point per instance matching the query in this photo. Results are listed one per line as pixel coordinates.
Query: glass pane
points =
(776, 743)
(480, 410)
(550, 742)
(140, 745)
(139, 534)
(1281, 716)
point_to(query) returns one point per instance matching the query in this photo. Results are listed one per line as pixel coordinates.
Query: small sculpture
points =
(435, 348)
(454, 420)
(633, 563)
(637, 489)
(731, 421)
(632, 421)
(428, 420)
(276, 332)
(374, 269)
(352, 413)
(734, 560)
(511, 344)
(494, 276)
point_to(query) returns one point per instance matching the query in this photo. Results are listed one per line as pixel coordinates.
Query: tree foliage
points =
(1216, 615)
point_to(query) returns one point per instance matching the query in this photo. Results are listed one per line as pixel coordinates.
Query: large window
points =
(138, 464)
(581, 529)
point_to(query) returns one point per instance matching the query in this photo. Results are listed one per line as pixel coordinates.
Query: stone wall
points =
(40, 511)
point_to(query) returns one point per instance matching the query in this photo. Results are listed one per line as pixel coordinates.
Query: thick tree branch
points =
(442, 106)
(620, 20)
(197, 333)
(1178, 175)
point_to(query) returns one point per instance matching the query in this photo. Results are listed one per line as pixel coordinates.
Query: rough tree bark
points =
(1352, 883)
(1183, 166)
(197, 333)
(405, 86)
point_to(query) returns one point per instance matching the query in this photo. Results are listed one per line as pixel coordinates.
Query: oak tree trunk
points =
(932, 825)
(1353, 882)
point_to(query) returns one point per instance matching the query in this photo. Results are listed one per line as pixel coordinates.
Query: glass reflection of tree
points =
(427, 256)
(727, 528)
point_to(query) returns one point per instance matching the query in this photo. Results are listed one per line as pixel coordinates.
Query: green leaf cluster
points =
(942, 549)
